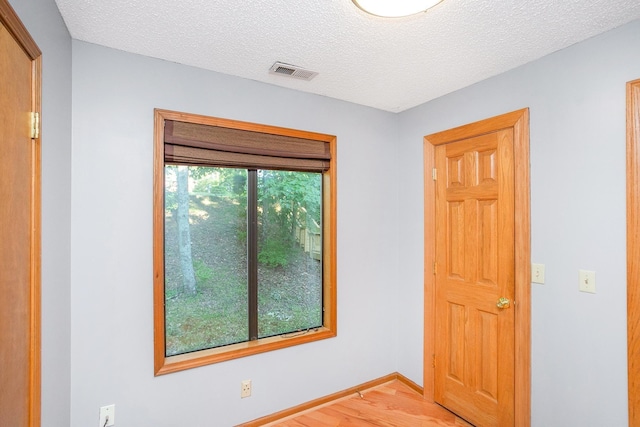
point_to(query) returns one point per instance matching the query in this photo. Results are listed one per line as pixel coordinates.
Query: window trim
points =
(166, 364)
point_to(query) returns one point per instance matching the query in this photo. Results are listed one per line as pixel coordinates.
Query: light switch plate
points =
(588, 281)
(537, 273)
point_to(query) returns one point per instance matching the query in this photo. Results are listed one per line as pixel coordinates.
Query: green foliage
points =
(295, 317)
(219, 182)
(215, 316)
(170, 189)
(287, 199)
(208, 184)
(292, 194)
(274, 253)
(203, 273)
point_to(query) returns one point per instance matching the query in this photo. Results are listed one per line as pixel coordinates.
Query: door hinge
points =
(434, 361)
(434, 174)
(35, 125)
(435, 268)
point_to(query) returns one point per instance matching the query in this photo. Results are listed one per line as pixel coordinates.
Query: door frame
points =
(519, 122)
(16, 28)
(633, 250)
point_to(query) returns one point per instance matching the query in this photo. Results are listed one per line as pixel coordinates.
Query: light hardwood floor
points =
(393, 404)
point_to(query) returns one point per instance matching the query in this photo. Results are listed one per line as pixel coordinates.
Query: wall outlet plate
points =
(107, 416)
(245, 388)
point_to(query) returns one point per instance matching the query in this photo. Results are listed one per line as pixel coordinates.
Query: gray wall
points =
(114, 94)
(577, 110)
(43, 21)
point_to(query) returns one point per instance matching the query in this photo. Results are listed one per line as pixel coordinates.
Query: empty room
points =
(229, 213)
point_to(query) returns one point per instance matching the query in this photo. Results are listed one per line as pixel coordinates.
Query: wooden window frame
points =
(166, 364)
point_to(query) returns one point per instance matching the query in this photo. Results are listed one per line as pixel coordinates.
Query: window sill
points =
(181, 362)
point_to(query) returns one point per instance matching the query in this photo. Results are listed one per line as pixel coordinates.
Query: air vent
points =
(294, 71)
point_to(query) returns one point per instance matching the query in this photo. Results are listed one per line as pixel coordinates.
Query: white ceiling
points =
(389, 64)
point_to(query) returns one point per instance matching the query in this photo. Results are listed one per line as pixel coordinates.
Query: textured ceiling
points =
(389, 64)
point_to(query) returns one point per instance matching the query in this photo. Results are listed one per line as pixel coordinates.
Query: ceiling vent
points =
(294, 71)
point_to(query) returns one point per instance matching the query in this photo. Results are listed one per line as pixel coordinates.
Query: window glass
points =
(289, 252)
(207, 259)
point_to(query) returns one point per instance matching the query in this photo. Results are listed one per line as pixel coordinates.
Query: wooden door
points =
(475, 268)
(19, 225)
(480, 166)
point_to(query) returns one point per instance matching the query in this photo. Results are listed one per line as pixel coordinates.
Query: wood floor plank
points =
(393, 404)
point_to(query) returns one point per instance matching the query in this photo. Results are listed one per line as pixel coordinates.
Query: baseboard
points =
(330, 398)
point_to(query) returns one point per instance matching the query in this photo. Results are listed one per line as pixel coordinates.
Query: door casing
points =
(633, 250)
(519, 122)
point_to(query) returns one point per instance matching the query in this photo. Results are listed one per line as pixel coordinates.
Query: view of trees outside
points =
(289, 213)
(206, 290)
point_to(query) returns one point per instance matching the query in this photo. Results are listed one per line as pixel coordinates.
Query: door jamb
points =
(633, 250)
(519, 122)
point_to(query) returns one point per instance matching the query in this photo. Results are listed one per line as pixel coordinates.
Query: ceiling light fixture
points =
(395, 8)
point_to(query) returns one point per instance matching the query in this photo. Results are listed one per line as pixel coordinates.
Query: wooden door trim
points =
(633, 250)
(16, 28)
(519, 122)
(12, 23)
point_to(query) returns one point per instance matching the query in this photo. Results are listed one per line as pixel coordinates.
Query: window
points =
(244, 239)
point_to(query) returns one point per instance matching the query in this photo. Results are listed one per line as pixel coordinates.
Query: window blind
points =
(207, 145)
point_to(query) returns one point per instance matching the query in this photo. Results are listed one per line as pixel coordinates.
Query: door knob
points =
(503, 303)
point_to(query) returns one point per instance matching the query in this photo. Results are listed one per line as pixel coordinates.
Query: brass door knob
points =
(503, 303)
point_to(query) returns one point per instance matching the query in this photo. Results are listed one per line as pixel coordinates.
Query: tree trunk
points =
(184, 234)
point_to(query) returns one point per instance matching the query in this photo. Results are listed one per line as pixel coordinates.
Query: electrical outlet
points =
(245, 388)
(107, 416)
